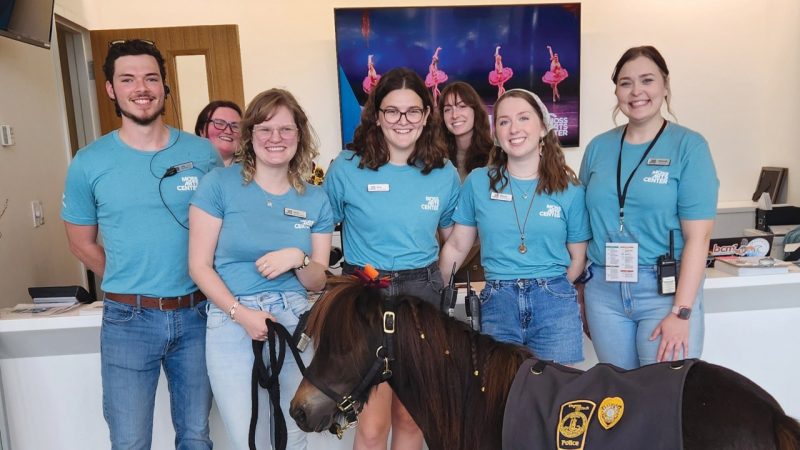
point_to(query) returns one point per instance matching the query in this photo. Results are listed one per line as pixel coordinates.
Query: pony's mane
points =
(435, 374)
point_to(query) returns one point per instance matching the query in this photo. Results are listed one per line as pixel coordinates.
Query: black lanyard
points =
(623, 193)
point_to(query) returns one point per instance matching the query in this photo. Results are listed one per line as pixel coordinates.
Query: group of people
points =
(200, 247)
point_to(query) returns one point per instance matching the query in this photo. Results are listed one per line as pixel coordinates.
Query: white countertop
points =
(78, 318)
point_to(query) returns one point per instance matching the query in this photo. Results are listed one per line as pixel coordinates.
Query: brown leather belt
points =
(162, 303)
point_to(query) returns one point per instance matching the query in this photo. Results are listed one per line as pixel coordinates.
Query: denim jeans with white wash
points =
(229, 355)
(135, 343)
(622, 316)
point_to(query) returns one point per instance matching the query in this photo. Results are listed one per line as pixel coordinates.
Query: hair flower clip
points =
(369, 276)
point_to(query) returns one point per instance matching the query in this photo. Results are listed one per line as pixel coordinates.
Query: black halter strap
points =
(379, 372)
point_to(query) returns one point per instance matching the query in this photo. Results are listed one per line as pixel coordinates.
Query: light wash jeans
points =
(134, 344)
(229, 355)
(540, 313)
(622, 316)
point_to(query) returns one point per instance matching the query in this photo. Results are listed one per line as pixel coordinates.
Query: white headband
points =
(548, 125)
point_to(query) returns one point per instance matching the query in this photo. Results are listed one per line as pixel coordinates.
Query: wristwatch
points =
(306, 262)
(682, 312)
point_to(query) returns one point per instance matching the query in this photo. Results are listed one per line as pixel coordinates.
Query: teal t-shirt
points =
(138, 212)
(553, 221)
(251, 228)
(677, 181)
(390, 215)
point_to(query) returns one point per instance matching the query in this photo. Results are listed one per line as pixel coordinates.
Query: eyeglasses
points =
(393, 115)
(222, 124)
(125, 41)
(285, 132)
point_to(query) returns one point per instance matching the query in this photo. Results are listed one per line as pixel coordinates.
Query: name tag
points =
(294, 213)
(378, 187)
(658, 162)
(501, 196)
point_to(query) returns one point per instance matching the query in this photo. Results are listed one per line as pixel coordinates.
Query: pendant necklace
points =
(522, 248)
(524, 194)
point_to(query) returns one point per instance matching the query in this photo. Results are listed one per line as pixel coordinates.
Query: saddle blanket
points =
(554, 407)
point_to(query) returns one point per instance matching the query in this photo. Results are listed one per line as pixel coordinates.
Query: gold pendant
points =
(522, 249)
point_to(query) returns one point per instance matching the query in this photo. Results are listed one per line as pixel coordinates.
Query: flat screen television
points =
(535, 47)
(29, 21)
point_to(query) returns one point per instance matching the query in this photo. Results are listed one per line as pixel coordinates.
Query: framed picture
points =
(770, 181)
(492, 47)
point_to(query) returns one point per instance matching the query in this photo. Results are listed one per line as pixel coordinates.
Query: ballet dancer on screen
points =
(555, 75)
(435, 76)
(500, 74)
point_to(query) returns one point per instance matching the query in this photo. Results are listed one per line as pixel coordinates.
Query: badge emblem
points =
(573, 422)
(610, 411)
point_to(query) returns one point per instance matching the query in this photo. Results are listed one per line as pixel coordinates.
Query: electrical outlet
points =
(38, 214)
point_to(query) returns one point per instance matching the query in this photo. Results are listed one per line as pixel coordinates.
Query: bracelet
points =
(232, 311)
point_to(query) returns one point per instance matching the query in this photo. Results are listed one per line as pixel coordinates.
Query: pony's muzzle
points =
(311, 409)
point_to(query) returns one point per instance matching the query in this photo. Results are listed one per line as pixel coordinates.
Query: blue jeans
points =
(622, 316)
(229, 355)
(134, 344)
(540, 313)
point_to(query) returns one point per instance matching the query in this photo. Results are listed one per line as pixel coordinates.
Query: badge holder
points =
(668, 269)
(622, 257)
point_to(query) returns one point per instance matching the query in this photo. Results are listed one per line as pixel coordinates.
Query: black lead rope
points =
(268, 379)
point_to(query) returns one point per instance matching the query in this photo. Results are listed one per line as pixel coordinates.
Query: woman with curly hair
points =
(259, 239)
(392, 191)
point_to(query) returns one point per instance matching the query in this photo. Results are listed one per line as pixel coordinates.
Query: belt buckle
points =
(161, 304)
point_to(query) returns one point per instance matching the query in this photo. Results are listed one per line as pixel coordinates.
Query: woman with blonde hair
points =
(259, 239)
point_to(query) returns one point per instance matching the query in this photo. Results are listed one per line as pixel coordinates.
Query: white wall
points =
(723, 56)
(32, 169)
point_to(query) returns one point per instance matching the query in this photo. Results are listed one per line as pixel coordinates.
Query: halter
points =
(379, 372)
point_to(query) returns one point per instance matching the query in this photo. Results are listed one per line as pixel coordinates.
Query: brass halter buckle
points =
(388, 322)
(348, 407)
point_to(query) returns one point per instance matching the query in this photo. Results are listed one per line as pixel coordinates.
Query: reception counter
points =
(50, 366)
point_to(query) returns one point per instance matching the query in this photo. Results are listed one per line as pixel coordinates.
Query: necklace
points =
(522, 248)
(524, 194)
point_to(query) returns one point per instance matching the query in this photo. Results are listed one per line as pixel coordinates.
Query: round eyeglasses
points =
(393, 115)
(264, 133)
(222, 124)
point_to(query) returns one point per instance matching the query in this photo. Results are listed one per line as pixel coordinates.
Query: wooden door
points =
(218, 43)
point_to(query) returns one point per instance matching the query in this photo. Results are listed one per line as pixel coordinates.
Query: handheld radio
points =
(668, 269)
(449, 294)
(472, 303)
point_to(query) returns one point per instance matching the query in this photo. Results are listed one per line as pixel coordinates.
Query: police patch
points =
(573, 422)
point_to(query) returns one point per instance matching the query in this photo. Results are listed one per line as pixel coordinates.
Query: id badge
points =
(622, 258)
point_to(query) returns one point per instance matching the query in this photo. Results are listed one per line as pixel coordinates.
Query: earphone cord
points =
(168, 173)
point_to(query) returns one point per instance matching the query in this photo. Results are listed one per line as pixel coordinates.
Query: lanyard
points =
(622, 194)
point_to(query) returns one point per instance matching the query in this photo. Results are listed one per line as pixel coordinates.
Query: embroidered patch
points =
(610, 411)
(573, 422)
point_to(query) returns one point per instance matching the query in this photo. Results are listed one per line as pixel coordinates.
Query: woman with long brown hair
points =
(529, 210)
(465, 127)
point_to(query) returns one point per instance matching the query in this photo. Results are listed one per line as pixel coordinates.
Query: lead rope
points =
(268, 379)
